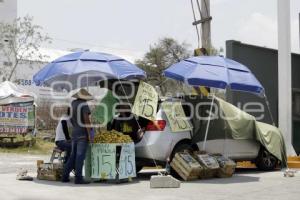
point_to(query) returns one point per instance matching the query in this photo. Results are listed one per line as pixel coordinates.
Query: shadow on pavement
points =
(241, 176)
(235, 179)
(253, 171)
(95, 183)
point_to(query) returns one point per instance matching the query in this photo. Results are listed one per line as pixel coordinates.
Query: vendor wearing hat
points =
(81, 135)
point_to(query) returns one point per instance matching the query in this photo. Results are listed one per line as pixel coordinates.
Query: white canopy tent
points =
(11, 93)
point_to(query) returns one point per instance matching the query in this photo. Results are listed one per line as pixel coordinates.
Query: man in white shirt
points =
(62, 136)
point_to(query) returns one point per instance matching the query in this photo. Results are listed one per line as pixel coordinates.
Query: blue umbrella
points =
(216, 72)
(85, 68)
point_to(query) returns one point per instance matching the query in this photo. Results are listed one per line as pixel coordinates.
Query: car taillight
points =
(158, 125)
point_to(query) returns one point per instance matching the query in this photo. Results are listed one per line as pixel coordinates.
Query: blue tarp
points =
(216, 72)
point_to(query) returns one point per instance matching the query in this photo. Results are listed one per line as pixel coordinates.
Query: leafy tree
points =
(19, 41)
(216, 52)
(160, 56)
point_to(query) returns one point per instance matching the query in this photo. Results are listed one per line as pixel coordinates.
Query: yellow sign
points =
(176, 116)
(145, 103)
(204, 91)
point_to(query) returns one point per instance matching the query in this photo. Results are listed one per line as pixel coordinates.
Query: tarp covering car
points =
(229, 122)
(271, 138)
(242, 125)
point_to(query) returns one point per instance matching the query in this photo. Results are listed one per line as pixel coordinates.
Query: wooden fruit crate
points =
(49, 171)
(186, 166)
(227, 166)
(210, 165)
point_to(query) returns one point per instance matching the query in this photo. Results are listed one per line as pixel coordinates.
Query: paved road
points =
(10, 163)
(244, 185)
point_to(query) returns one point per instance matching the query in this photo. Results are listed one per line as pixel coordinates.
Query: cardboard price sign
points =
(145, 103)
(127, 166)
(176, 116)
(103, 161)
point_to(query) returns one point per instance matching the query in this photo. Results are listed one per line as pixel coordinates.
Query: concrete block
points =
(160, 181)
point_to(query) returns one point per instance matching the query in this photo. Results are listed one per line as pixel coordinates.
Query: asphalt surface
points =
(245, 184)
(11, 163)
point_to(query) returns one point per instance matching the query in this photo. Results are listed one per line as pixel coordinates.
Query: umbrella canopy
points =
(215, 71)
(85, 68)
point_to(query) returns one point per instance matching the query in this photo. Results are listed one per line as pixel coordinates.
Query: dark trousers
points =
(79, 147)
(65, 146)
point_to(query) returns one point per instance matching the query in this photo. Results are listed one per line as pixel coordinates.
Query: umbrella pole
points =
(269, 109)
(150, 151)
(208, 123)
(87, 82)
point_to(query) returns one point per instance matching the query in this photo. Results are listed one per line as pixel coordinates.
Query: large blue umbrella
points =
(85, 68)
(216, 72)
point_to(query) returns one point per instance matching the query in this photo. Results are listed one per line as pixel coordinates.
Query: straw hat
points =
(81, 94)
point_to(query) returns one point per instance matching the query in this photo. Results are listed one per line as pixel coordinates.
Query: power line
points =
(95, 45)
(197, 30)
(199, 8)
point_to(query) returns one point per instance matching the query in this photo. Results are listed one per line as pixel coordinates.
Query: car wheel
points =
(266, 161)
(181, 148)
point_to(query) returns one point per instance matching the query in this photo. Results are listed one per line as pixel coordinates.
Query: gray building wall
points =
(263, 62)
(8, 10)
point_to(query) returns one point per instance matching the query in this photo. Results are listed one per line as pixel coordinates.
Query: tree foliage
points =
(160, 56)
(19, 41)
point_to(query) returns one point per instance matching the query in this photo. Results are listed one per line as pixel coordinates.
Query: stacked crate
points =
(210, 165)
(227, 166)
(49, 171)
(186, 166)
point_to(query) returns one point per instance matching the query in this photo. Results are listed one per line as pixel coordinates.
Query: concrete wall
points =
(263, 63)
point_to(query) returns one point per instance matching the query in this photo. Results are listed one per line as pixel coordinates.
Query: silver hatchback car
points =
(159, 143)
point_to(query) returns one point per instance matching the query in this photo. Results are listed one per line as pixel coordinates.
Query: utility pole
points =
(206, 25)
(284, 74)
(205, 21)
